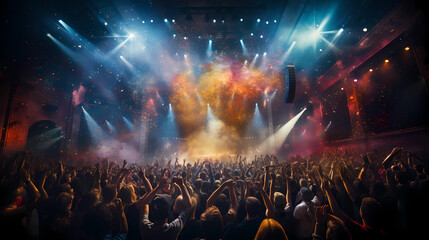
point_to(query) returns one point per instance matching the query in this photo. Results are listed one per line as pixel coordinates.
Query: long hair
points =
(270, 229)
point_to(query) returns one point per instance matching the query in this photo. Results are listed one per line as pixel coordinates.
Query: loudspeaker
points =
(290, 83)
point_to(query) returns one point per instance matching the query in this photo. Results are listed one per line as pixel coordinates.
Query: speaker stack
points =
(290, 83)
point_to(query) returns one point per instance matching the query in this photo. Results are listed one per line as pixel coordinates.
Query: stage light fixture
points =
(262, 36)
(251, 34)
(105, 23)
(407, 48)
(174, 35)
(365, 29)
(265, 53)
(142, 21)
(241, 19)
(165, 20)
(151, 20)
(386, 61)
(371, 70)
(258, 20)
(267, 22)
(214, 20)
(355, 80)
(275, 21)
(48, 34)
(185, 38)
(172, 20)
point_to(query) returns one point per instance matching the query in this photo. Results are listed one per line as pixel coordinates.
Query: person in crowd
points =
(333, 195)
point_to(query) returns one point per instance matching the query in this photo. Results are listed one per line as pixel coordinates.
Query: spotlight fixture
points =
(172, 20)
(165, 20)
(266, 22)
(355, 80)
(258, 20)
(241, 19)
(275, 21)
(365, 29)
(262, 36)
(251, 34)
(407, 48)
(214, 20)
(386, 61)
(151, 20)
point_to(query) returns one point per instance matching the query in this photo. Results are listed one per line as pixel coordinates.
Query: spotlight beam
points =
(280, 136)
(287, 53)
(243, 47)
(128, 123)
(119, 46)
(95, 130)
(252, 64)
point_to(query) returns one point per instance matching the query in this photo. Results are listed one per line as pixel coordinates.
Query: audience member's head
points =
(306, 194)
(335, 229)
(270, 229)
(371, 212)
(252, 207)
(279, 200)
(160, 207)
(222, 203)
(127, 195)
(211, 223)
(97, 222)
(108, 193)
(198, 184)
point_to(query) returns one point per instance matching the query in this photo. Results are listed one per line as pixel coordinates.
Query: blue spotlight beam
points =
(111, 127)
(169, 127)
(287, 53)
(96, 132)
(64, 48)
(243, 47)
(128, 123)
(210, 49)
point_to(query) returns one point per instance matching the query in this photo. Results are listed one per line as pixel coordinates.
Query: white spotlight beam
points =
(287, 53)
(252, 64)
(279, 137)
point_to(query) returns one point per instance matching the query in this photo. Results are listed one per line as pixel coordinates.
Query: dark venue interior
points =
(214, 119)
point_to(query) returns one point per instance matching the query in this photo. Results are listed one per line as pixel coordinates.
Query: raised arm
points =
(217, 192)
(336, 209)
(146, 199)
(232, 196)
(268, 204)
(348, 186)
(273, 179)
(185, 194)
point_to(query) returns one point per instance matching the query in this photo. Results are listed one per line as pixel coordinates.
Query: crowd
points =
(337, 195)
